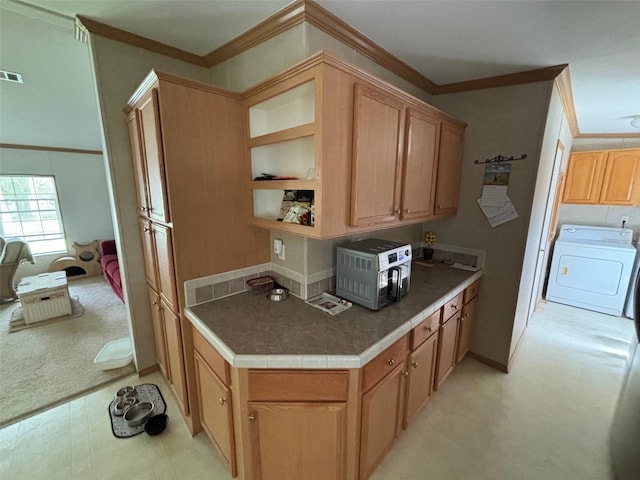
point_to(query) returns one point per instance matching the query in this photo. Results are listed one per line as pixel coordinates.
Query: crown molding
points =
(123, 36)
(563, 83)
(49, 149)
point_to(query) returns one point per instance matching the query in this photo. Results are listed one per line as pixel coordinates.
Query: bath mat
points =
(147, 392)
(17, 322)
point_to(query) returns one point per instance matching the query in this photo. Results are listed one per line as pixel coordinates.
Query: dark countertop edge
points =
(315, 362)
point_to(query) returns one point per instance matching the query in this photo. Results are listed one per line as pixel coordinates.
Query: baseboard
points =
(147, 371)
(487, 361)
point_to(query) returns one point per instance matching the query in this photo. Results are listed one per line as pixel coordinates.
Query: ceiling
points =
(447, 41)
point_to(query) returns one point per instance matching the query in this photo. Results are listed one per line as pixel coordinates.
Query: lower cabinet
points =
(159, 333)
(447, 349)
(421, 367)
(467, 328)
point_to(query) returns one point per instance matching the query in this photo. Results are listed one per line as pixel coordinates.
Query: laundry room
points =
(595, 259)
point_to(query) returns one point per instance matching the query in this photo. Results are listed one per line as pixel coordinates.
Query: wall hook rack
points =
(499, 159)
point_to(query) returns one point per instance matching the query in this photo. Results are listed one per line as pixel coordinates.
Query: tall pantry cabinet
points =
(188, 160)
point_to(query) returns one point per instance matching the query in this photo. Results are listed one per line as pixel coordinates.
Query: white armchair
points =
(12, 253)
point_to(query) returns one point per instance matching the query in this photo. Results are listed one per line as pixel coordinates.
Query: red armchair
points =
(110, 266)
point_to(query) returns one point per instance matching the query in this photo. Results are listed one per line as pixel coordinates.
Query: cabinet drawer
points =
(452, 307)
(211, 356)
(288, 385)
(427, 327)
(384, 363)
(471, 291)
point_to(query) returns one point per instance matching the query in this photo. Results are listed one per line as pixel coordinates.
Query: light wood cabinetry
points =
(182, 135)
(448, 338)
(369, 151)
(449, 169)
(214, 400)
(421, 367)
(382, 405)
(467, 328)
(609, 177)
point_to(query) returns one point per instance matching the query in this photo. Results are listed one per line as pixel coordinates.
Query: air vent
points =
(11, 76)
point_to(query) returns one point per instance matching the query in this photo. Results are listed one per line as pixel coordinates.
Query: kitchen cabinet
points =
(449, 169)
(182, 134)
(297, 424)
(609, 177)
(448, 338)
(467, 321)
(367, 150)
(382, 405)
(378, 128)
(214, 400)
(421, 366)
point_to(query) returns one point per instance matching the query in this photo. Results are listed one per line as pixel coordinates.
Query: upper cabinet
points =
(604, 177)
(356, 153)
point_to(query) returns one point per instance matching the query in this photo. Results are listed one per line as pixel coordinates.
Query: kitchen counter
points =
(251, 331)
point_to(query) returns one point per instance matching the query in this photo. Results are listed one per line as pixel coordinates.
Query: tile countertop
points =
(251, 331)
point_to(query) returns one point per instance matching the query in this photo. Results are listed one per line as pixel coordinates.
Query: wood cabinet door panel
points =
(467, 328)
(214, 400)
(584, 177)
(175, 355)
(151, 133)
(420, 165)
(421, 370)
(211, 356)
(448, 337)
(164, 263)
(376, 167)
(148, 252)
(159, 334)
(449, 169)
(621, 184)
(297, 440)
(381, 415)
(139, 167)
(471, 291)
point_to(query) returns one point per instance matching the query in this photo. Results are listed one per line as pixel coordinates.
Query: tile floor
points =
(548, 419)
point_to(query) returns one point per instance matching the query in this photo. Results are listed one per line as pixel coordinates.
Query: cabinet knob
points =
(454, 306)
(252, 418)
(428, 328)
(222, 401)
(397, 211)
(147, 229)
(391, 362)
(406, 210)
(465, 315)
(414, 364)
(405, 373)
(143, 209)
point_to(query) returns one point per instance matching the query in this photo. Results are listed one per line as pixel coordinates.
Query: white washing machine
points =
(591, 268)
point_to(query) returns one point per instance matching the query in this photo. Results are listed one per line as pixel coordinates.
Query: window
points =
(29, 209)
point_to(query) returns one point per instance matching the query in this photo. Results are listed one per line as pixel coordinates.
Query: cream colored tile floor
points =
(547, 419)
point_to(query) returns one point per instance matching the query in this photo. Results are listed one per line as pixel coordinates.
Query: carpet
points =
(17, 322)
(45, 366)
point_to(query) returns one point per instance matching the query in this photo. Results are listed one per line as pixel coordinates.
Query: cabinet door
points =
(420, 165)
(137, 158)
(148, 252)
(446, 349)
(467, 328)
(376, 167)
(297, 440)
(164, 263)
(381, 415)
(175, 355)
(584, 177)
(159, 333)
(621, 184)
(151, 133)
(422, 365)
(214, 400)
(449, 169)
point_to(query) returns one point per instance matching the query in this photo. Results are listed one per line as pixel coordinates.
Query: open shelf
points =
(294, 158)
(283, 185)
(289, 109)
(283, 135)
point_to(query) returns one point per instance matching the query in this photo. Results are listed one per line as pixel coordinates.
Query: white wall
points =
(507, 121)
(119, 69)
(82, 192)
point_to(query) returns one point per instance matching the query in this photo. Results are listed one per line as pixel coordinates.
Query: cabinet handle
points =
(414, 364)
(454, 306)
(222, 401)
(397, 211)
(143, 209)
(405, 373)
(147, 229)
(465, 315)
(428, 328)
(391, 362)
(406, 210)
(252, 418)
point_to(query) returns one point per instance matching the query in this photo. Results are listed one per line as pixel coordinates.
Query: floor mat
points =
(147, 392)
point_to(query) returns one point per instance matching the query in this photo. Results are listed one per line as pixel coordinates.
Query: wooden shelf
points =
(283, 185)
(305, 130)
(288, 227)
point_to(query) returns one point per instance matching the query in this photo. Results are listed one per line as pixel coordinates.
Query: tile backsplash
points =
(214, 287)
